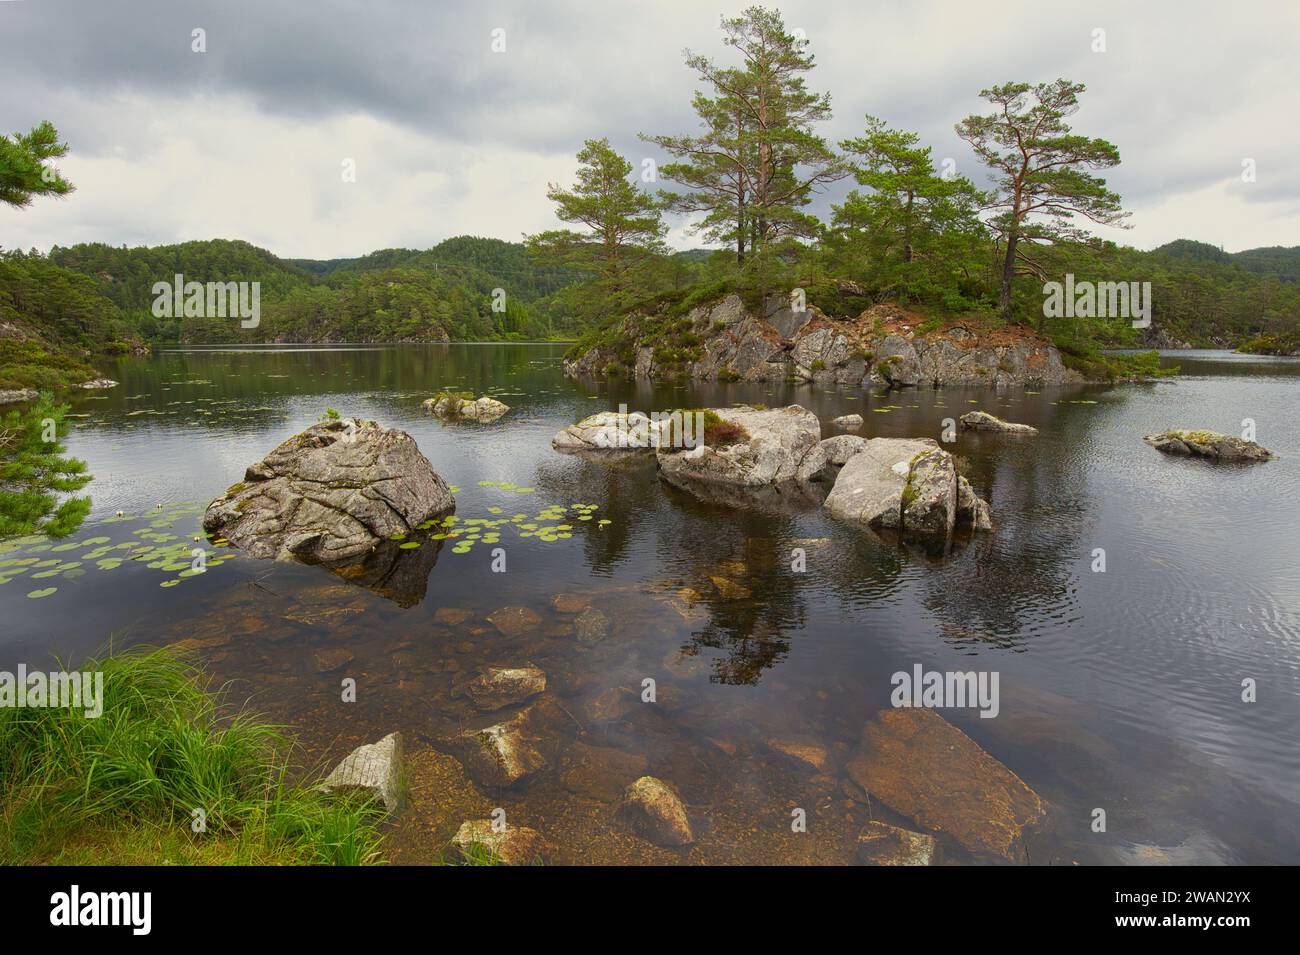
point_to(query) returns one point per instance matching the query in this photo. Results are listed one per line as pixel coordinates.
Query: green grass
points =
(122, 788)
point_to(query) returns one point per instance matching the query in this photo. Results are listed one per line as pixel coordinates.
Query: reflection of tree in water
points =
(752, 633)
(1005, 588)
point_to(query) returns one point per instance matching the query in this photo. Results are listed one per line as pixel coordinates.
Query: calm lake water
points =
(1119, 690)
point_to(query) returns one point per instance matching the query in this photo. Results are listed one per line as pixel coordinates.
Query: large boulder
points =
(332, 493)
(869, 489)
(754, 449)
(1208, 444)
(909, 486)
(458, 407)
(922, 767)
(983, 421)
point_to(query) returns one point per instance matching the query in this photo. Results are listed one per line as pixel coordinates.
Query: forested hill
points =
(448, 292)
(1274, 260)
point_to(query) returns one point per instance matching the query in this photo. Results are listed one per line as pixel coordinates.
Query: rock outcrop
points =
(764, 448)
(655, 812)
(983, 421)
(375, 768)
(332, 493)
(14, 395)
(460, 408)
(1208, 444)
(922, 767)
(882, 346)
(909, 486)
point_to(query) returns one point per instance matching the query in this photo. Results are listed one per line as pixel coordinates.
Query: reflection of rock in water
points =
(400, 574)
(792, 497)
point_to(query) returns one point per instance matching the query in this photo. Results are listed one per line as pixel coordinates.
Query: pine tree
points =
(624, 226)
(758, 162)
(34, 473)
(914, 235)
(1041, 171)
(24, 173)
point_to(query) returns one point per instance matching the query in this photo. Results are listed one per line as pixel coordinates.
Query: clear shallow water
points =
(1118, 690)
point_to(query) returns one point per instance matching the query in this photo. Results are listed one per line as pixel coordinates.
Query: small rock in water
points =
(451, 616)
(810, 753)
(327, 661)
(375, 768)
(850, 422)
(591, 625)
(655, 812)
(611, 704)
(494, 687)
(571, 603)
(515, 621)
(1208, 444)
(482, 409)
(513, 845)
(883, 844)
(983, 421)
(500, 755)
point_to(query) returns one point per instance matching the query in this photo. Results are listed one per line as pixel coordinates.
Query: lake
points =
(1119, 690)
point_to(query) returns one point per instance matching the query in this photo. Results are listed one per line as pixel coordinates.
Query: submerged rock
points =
(909, 486)
(601, 772)
(500, 755)
(983, 421)
(767, 448)
(515, 621)
(883, 844)
(456, 407)
(591, 625)
(921, 766)
(1208, 444)
(512, 845)
(331, 493)
(655, 812)
(494, 686)
(810, 753)
(374, 768)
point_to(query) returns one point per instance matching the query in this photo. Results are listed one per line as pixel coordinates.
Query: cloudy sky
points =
(248, 139)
